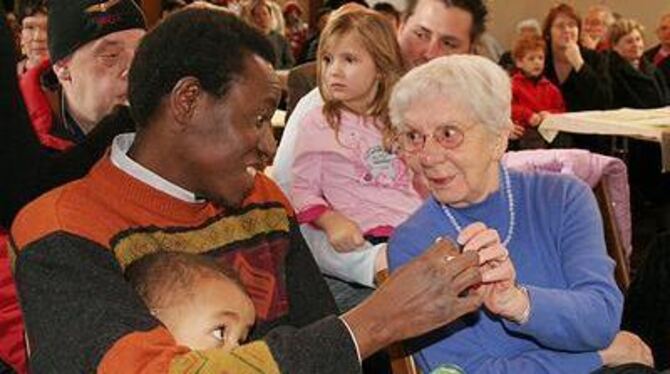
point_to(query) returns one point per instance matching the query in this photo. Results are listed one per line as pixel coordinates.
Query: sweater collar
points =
(120, 159)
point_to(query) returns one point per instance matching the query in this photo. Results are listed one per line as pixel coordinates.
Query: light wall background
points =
(504, 14)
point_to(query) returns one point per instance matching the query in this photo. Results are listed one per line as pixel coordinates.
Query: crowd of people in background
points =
(146, 182)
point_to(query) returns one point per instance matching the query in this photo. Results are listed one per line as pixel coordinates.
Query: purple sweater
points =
(559, 252)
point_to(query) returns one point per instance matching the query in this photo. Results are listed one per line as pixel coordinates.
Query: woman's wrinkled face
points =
(458, 156)
(564, 30)
(630, 46)
(595, 25)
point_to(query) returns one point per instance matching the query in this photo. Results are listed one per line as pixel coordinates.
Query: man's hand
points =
(343, 234)
(626, 348)
(419, 297)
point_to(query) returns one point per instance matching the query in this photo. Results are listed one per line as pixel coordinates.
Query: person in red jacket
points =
(38, 98)
(533, 95)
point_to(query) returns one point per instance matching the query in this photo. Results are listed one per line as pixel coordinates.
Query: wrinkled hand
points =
(419, 297)
(517, 132)
(501, 295)
(343, 234)
(574, 56)
(626, 348)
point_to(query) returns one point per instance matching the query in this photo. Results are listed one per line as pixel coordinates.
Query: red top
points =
(38, 107)
(12, 345)
(530, 96)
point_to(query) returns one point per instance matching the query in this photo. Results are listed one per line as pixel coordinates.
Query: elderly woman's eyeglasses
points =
(413, 141)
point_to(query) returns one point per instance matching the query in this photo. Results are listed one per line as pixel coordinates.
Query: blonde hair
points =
(247, 12)
(623, 27)
(378, 38)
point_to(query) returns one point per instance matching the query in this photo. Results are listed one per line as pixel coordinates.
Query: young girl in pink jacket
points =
(346, 181)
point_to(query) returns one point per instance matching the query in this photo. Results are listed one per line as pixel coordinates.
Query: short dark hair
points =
(477, 8)
(210, 45)
(159, 276)
(387, 8)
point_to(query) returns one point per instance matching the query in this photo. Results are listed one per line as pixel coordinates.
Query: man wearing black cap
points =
(91, 45)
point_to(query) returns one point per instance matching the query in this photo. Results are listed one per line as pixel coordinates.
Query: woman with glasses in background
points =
(580, 74)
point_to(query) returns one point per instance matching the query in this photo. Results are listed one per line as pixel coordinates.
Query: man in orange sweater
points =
(202, 93)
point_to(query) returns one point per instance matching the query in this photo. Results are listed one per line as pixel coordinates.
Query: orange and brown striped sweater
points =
(72, 244)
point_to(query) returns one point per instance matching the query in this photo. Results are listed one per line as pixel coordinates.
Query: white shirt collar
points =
(120, 159)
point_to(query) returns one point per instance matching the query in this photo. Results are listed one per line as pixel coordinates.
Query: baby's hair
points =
(379, 39)
(527, 44)
(161, 276)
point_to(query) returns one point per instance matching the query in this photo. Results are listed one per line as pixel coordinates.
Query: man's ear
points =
(184, 99)
(62, 71)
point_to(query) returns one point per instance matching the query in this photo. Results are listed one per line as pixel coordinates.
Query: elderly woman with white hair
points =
(552, 305)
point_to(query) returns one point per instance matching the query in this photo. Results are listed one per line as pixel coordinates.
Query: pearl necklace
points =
(510, 198)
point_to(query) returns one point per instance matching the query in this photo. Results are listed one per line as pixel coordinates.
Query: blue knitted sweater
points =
(559, 253)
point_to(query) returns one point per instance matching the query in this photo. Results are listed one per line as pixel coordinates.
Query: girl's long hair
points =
(378, 37)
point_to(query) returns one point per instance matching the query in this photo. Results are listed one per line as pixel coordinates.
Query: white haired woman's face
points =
(458, 157)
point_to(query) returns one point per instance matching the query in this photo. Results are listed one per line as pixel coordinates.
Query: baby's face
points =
(216, 313)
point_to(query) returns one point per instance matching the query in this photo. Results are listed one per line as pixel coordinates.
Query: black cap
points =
(73, 23)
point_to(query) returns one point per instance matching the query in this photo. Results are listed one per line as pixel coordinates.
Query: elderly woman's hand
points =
(501, 295)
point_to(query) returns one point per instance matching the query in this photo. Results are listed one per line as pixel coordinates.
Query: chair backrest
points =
(609, 179)
(615, 247)
(401, 361)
